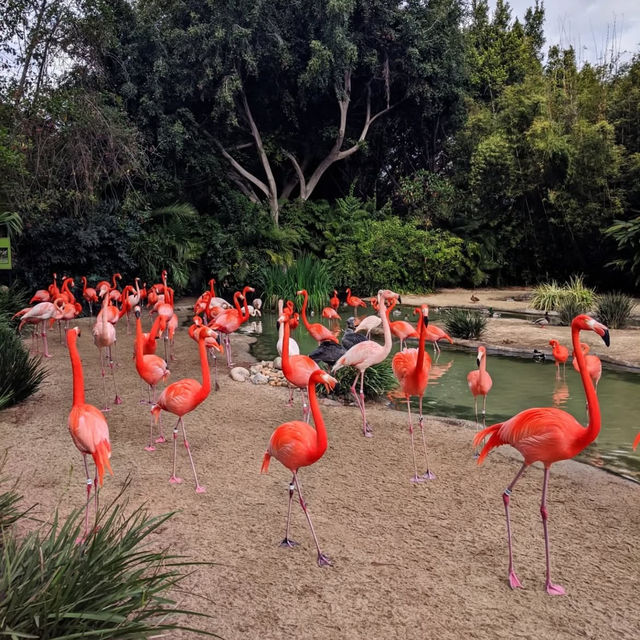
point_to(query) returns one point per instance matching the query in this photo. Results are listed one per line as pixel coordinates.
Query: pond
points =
(518, 383)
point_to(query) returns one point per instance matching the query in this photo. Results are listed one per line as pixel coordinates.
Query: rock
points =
(256, 368)
(331, 403)
(277, 363)
(239, 374)
(258, 378)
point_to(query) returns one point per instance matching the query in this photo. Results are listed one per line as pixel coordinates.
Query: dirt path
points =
(426, 561)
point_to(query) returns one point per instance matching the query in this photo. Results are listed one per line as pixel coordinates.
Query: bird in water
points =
(547, 435)
(560, 356)
(538, 356)
(297, 444)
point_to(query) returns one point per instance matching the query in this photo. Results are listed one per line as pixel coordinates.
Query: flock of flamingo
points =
(544, 435)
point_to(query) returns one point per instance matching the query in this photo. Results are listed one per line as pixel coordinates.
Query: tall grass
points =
(614, 309)
(551, 296)
(12, 299)
(461, 323)
(547, 296)
(378, 381)
(111, 586)
(307, 273)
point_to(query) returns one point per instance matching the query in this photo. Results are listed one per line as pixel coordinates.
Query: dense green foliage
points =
(614, 309)
(111, 586)
(551, 296)
(461, 323)
(378, 381)
(408, 145)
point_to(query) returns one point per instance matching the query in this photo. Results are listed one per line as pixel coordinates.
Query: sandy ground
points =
(409, 561)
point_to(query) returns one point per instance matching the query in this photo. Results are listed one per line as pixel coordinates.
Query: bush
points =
(551, 296)
(20, 374)
(570, 307)
(378, 381)
(547, 297)
(614, 309)
(465, 324)
(111, 586)
(583, 296)
(12, 299)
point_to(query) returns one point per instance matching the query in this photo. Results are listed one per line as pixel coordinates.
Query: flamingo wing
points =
(294, 444)
(404, 363)
(180, 397)
(363, 354)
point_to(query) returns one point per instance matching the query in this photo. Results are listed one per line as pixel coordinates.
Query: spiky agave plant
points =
(111, 586)
(614, 309)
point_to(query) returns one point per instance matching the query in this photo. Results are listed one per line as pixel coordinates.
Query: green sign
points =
(5, 253)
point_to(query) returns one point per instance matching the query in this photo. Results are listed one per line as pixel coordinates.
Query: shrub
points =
(12, 299)
(547, 296)
(614, 309)
(583, 296)
(378, 381)
(466, 324)
(111, 586)
(20, 374)
(570, 307)
(551, 296)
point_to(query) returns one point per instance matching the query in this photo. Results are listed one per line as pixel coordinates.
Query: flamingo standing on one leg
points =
(317, 331)
(411, 368)
(560, 355)
(104, 337)
(480, 384)
(184, 396)
(297, 444)
(355, 302)
(365, 354)
(151, 369)
(88, 428)
(547, 435)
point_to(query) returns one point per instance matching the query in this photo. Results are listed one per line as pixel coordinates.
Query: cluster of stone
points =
(265, 372)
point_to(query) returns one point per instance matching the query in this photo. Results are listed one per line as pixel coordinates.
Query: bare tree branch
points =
(242, 171)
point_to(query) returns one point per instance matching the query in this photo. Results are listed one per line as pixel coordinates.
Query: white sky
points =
(592, 27)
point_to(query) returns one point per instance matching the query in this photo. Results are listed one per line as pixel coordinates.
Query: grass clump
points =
(551, 296)
(110, 586)
(547, 296)
(12, 299)
(462, 323)
(378, 381)
(569, 308)
(614, 309)
(307, 273)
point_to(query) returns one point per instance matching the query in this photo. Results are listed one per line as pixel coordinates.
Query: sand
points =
(409, 561)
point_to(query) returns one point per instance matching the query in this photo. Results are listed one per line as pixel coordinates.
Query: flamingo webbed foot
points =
(160, 440)
(555, 589)
(417, 479)
(288, 543)
(149, 447)
(47, 355)
(106, 409)
(175, 480)
(118, 400)
(201, 489)
(514, 583)
(323, 561)
(429, 475)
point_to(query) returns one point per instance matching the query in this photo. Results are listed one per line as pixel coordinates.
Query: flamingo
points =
(151, 369)
(434, 334)
(88, 428)
(411, 368)
(365, 354)
(334, 302)
(296, 368)
(294, 321)
(354, 301)
(89, 294)
(636, 442)
(480, 384)
(593, 364)
(114, 293)
(330, 313)
(184, 396)
(40, 313)
(212, 346)
(104, 336)
(229, 320)
(41, 295)
(54, 292)
(400, 328)
(368, 324)
(317, 331)
(297, 444)
(560, 355)
(547, 435)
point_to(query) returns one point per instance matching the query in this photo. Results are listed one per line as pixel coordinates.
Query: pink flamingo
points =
(104, 336)
(184, 396)
(317, 331)
(212, 346)
(401, 329)
(547, 435)
(229, 320)
(88, 428)
(411, 368)
(297, 369)
(89, 294)
(54, 292)
(152, 369)
(366, 354)
(436, 333)
(593, 364)
(636, 442)
(41, 295)
(480, 384)
(40, 313)
(297, 444)
(355, 302)
(560, 355)
(368, 324)
(334, 302)
(330, 313)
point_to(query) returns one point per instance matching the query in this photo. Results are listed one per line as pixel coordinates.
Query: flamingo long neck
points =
(76, 369)
(384, 316)
(483, 363)
(245, 313)
(305, 321)
(421, 341)
(593, 406)
(236, 302)
(281, 326)
(285, 345)
(204, 367)
(138, 342)
(318, 420)
(211, 289)
(84, 285)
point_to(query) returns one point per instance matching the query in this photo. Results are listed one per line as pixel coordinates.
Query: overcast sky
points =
(590, 26)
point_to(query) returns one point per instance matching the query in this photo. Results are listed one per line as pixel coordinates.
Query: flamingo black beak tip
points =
(606, 339)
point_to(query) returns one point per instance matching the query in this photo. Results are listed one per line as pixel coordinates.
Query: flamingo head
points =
(244, 291)
(584, 322)
(482, 353)
(290, 306)
(77, 331)
(322, 377)
(302, 292)
(136, 310)
(553, 343)
(386, 294)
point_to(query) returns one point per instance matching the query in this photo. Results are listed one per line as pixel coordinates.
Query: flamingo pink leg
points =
(427, 475)
(199, 487)
(288, 542)
(104, 383)
(416, 477)
(118, 399)
(86, 513)
(174, 479)
(44, 340)
(366, 427)
(552, 589)
(323, 561)
(513, 578)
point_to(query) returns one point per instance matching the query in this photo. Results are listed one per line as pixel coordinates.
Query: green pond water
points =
(518, 383)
